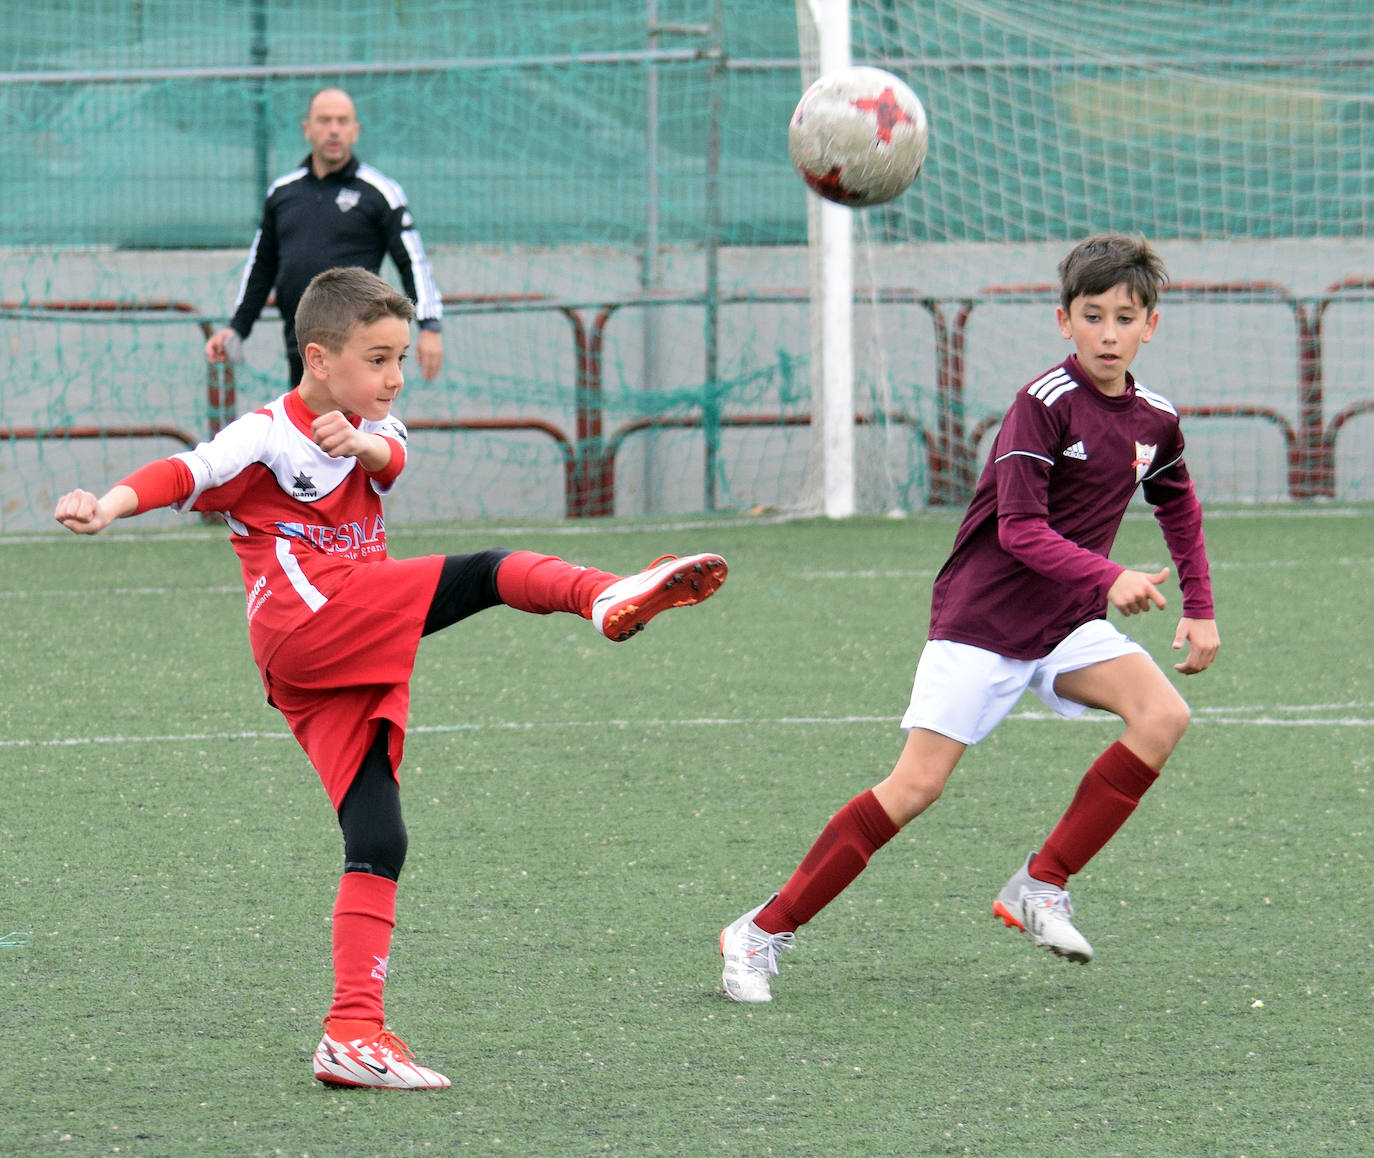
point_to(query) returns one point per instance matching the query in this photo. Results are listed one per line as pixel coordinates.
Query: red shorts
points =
(336, 677)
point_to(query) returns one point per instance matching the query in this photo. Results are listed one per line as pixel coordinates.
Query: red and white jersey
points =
(300, 520)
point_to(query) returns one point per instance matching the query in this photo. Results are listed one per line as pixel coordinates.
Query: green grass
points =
(584, 817)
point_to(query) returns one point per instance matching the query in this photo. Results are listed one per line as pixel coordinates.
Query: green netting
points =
(159, 123)
(621, 169)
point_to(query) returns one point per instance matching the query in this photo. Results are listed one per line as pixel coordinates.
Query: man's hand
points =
(429, 350)
(224, 346)
(1203, 641)
(1136, 591)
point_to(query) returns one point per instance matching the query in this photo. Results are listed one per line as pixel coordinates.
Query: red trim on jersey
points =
(394, 465)
(303, 418)
(300, 414)
(160, 484)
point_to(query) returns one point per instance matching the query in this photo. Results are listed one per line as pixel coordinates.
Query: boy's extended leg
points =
(543, 584)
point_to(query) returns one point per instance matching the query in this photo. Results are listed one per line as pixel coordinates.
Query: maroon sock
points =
(839, 855)
(542, 584)
(364, 915)
(1106, 797)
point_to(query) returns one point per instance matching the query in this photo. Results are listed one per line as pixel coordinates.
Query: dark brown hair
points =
(1097, 264)
(338, 301)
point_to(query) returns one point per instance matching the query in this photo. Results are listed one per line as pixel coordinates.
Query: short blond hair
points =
(338, 301)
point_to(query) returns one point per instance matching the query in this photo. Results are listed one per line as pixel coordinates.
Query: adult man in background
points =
(332, 210)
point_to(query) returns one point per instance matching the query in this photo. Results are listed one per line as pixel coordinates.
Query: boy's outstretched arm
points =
(84, 514)
(1203, 642)
(159, 484)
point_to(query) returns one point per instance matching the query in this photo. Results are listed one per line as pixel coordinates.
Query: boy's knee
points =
(379, 849)
(1176, 718)
(1167, 719)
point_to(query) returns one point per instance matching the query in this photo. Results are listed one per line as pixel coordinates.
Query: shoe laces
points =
(387, 1040)
(761, 949)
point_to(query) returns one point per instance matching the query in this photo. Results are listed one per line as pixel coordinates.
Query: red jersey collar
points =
(302, 416)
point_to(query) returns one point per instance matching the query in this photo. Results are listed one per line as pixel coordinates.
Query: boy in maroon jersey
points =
(1021, 604)
(334, 623)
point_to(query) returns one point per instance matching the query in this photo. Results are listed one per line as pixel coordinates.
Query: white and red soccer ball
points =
(858, 136)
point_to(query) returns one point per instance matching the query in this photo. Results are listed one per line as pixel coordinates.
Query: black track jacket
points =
(352, 217)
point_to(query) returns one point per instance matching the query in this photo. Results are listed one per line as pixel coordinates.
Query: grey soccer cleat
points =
(751, 957)
(1044, 911)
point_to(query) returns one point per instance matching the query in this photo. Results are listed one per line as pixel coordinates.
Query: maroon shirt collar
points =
(1079, 375)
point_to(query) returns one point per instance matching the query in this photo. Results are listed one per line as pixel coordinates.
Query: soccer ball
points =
(858, 136)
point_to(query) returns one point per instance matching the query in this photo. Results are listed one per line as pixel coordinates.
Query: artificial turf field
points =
(585, 816)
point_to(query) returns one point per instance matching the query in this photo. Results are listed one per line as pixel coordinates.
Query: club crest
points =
(346, 199)
(1144, 457)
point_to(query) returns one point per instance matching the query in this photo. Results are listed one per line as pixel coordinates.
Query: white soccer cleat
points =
(751, 957)
(1044, 911)
(627, 605)
(381, 1061)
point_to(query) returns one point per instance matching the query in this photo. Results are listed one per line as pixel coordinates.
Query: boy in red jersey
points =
(334, 623)
(1021, 604)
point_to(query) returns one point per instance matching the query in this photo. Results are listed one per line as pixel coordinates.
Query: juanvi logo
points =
(346, 199)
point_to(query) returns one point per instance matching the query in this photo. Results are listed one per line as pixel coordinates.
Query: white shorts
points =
(963, 692)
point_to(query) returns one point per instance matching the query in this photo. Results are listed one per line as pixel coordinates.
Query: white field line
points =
(1288, 716)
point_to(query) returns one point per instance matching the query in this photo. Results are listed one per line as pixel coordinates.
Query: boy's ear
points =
(314, 356)
(1149, 331)
(1062, 317)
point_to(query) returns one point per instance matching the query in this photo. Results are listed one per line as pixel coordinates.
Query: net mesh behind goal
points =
(606, 196)
(1235, 137)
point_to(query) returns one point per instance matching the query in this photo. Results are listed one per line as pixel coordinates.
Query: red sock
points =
(542, 584)
(839, 855)
(1106, 797)
(364, 915)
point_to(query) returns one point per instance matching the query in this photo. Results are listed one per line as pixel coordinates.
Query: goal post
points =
(823, 37)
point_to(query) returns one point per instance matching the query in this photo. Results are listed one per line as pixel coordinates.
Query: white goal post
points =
(823, 37)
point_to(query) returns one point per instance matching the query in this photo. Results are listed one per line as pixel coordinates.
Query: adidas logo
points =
(1077, 450)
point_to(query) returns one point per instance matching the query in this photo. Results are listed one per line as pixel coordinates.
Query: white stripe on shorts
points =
(311, 595)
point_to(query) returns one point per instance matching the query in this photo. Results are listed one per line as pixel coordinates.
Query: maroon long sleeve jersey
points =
(1030, 562)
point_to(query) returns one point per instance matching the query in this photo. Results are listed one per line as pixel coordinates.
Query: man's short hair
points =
(338, 301)
(1098, 263)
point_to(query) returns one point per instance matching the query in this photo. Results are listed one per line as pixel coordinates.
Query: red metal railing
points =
(1308, 444)
(590, 452)
(110, 306)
